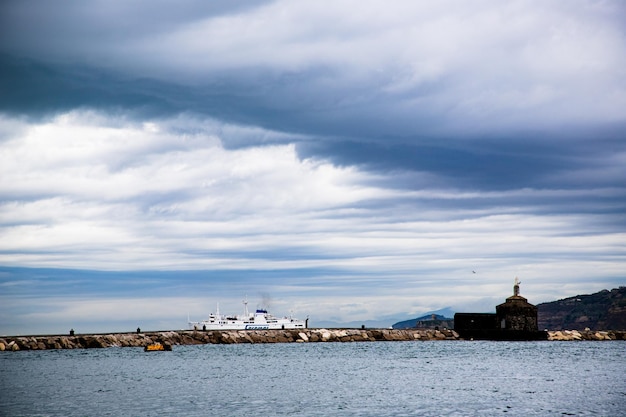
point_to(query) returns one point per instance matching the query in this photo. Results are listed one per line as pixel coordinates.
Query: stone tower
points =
(517, 313)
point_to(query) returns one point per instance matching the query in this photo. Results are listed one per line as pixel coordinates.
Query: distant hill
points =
(438, 319)
(604, 310)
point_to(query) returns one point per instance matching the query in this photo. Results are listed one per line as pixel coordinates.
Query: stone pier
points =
(193, 337)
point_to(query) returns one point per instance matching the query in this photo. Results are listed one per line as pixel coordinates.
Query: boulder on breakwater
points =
(195, 337)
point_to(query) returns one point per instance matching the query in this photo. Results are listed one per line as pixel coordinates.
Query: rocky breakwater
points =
(573, 335)
(322, 335)
(88, 341)
(192, 337)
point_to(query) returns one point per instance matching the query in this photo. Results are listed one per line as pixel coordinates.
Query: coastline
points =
(196, 337)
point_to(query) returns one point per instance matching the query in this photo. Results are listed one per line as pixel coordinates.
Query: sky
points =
(345, 161)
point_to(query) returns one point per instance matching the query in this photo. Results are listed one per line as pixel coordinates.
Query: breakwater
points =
(193, 337)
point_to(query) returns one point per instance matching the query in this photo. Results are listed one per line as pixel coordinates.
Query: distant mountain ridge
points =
(604, 310)
(427, 321)
(442, 316)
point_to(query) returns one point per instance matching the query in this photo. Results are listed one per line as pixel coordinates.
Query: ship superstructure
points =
(261, 319)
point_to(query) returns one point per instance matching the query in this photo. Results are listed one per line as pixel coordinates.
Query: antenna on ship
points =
(245, 307)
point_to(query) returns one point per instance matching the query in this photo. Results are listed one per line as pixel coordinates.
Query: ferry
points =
(259, 320)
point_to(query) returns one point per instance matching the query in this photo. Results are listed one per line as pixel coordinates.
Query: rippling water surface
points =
(443, 378)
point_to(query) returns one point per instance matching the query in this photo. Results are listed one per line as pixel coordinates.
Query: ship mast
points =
(245, 307)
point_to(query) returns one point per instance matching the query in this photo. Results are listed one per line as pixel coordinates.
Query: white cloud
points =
(66, 188)
(180, 201)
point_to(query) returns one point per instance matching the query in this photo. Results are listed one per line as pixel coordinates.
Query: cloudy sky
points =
(344, 160)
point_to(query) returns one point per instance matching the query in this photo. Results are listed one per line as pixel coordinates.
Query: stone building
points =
(515, 319)
(516, 313)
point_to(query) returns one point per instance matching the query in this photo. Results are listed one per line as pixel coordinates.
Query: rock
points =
(620, 335)
(359, 336)
(341, 333)
(303, 337)
(111, 340)
(343, 336)
(257, 337)
(388, 335)
(245, 337)
(2, 347)
(97, 343)
(284, 337)
(187, 339)
(555, 335)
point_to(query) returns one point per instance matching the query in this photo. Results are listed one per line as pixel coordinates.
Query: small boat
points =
(155, 347)
(259, 320)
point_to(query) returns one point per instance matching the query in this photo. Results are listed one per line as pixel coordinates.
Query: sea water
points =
(439, 378)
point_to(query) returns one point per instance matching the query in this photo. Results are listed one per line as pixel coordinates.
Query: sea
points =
(435, 378)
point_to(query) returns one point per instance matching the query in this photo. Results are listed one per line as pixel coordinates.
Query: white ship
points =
(259, 320)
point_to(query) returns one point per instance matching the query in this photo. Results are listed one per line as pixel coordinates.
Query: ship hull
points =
(299, 324)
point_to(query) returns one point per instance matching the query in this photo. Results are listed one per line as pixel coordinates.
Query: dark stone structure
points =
(475, 325)
(515, 319)
(517, 313)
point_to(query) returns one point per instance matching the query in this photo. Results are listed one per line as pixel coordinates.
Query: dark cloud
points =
(488, 74)
(492, 160)
(467, 72)
(523, 161)
(44, 26)
(35, 88)
(38, 89)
